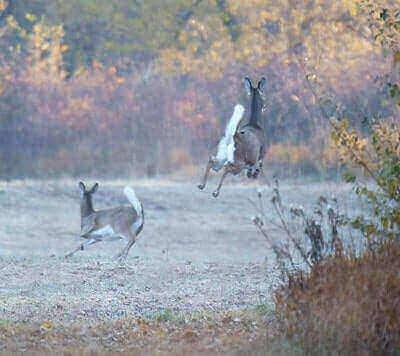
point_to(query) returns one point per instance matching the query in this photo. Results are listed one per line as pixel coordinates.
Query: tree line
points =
(138, 87)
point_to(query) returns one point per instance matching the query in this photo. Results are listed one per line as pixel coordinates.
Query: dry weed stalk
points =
(307, 237)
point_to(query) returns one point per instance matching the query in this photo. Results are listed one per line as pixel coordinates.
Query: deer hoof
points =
(215, 194)
(117, 257)
(201, 186)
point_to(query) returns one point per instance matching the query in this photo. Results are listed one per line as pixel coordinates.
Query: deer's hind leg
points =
(131, 237)
(226, 171)
(202, 185)
(259, 166)
(250, 173)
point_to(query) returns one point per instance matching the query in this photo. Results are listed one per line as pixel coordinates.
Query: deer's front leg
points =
(80, 247)
(202, 185)
(226, 171)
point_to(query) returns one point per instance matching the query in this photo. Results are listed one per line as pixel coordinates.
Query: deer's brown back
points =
(119, 218)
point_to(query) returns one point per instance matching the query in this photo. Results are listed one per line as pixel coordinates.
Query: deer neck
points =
(255, 109)
(86, 206)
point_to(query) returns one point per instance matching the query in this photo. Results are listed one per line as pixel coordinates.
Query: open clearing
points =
(196, 254)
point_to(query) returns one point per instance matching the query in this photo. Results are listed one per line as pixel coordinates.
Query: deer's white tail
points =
(226, 145)
(234, 121)
(133, 199)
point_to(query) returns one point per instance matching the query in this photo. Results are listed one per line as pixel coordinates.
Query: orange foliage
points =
(195, 110)
(283, 153)
(179, 158)
(316, 153)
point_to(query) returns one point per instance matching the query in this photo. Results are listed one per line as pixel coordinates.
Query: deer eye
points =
(242, 132)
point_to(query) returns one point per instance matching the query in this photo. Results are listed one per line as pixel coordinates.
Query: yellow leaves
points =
(46, 325)
(369, 151)
(217, 44)
(112, 71)
(351, 6)
(45, 46)
(12, 22)
(264, 15)
(45, 50)
(38, 28)
(31, 17)
(353, 10)
(120, 80)
(396, 58)
(280, 153)
(3, 5)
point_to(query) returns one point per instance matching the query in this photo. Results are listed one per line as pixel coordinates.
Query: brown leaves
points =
(346, 304)
(188, 334)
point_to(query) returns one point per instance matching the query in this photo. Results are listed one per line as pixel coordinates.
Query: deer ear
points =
(261, 85)
(82, 187)
(94, 188)
(248, 86)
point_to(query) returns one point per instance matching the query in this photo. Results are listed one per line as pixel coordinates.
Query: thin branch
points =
(325, 114)
(287, 230)
(279, 252)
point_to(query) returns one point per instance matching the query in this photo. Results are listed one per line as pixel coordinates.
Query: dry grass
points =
(166, 333)
(346, 305)
(198, 257)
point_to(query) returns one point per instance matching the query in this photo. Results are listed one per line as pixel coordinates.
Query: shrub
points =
(345, 305)
(308, 237)
(378, 155)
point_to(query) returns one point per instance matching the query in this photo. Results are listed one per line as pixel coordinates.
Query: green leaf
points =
(349, 178)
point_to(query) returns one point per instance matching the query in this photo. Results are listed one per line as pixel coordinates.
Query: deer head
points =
(86, 198)
(257, 99)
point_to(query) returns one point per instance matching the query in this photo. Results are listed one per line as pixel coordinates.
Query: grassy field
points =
(200, 277)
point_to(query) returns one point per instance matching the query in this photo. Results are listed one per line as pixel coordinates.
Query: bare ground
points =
(196, 254)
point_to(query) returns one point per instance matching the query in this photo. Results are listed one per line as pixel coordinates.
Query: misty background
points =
(121, 88)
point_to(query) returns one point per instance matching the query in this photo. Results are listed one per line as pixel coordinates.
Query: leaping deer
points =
(243, 145)
(123, 222)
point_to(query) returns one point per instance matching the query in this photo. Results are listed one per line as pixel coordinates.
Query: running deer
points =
(243, 146)
(123, 222)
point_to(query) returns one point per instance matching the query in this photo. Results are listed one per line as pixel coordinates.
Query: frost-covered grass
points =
(196, 256)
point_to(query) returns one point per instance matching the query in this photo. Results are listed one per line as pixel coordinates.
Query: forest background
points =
(117, 88)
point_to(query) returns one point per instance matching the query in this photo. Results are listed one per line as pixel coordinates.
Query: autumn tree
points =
(378, 152)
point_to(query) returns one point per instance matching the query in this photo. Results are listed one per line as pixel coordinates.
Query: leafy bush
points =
(378, 155)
